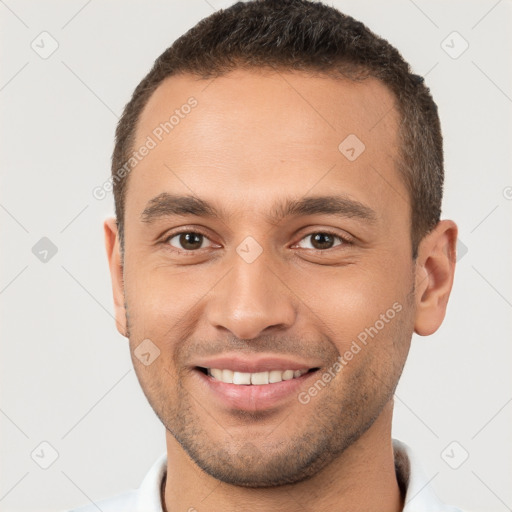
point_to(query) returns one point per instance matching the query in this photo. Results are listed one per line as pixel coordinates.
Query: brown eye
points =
(322, 240)
(188, 241)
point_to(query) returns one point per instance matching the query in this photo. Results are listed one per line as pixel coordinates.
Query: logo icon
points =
(249, 250)
(455, 455)
(454, 45)
(147, 352)
(351, 147)
(44, 250)
(44, 455)
(45, 45)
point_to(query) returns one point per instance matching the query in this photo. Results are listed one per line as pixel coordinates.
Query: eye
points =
(190, 241)
(187, 240)
(323, 240)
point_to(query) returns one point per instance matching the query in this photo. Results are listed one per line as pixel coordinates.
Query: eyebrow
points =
(166, 205)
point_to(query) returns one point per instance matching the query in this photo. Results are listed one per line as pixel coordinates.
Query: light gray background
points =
(66, 374)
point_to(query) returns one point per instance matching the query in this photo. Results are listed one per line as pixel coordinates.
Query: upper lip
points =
(255, 364)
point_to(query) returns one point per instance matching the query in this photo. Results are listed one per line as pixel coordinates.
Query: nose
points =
(251, 299)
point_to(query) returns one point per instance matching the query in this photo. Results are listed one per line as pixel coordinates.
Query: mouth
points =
(228, 376)
(231, 390)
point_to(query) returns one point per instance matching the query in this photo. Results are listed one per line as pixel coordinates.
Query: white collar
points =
(419, 495)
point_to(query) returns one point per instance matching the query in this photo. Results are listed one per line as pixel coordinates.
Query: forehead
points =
(261, 96)
(257, 133)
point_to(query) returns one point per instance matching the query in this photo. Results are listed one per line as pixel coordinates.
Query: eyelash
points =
(344, 240)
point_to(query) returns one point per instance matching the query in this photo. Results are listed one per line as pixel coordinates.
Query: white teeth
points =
(227, 376)
(288, 374)
(275, 376)
(258, 378)
(241, 378)
(215, 372)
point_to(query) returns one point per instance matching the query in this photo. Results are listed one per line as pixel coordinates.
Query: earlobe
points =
(113, 249)
(435, 268)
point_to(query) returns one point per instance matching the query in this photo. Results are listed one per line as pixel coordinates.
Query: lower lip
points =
(253, 397)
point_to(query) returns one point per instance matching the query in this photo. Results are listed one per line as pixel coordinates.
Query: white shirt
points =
(419, 496)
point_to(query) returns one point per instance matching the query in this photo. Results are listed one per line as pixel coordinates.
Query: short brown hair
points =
(306, 36)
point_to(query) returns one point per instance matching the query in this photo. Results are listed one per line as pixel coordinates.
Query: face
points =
(291, 253)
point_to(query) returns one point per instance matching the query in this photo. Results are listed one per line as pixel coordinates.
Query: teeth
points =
(227, 376)
(275, 376)
(259, 378)
(241, 378)
(215, 372)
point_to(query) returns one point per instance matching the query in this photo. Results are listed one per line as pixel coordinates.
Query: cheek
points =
(355, 302)
(163, 300)
(352, 295)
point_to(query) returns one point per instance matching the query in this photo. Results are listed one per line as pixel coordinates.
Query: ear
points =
(435, 267)
(113, 248)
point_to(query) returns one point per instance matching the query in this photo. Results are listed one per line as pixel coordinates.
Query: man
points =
(278, 181)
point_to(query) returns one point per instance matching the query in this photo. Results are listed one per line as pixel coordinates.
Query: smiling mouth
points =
(256, 379)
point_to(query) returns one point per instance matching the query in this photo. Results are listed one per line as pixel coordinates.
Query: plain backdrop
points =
(66, 376)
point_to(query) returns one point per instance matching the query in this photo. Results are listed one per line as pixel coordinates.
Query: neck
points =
(362, 478)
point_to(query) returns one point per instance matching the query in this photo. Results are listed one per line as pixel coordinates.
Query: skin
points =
(256, 138)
